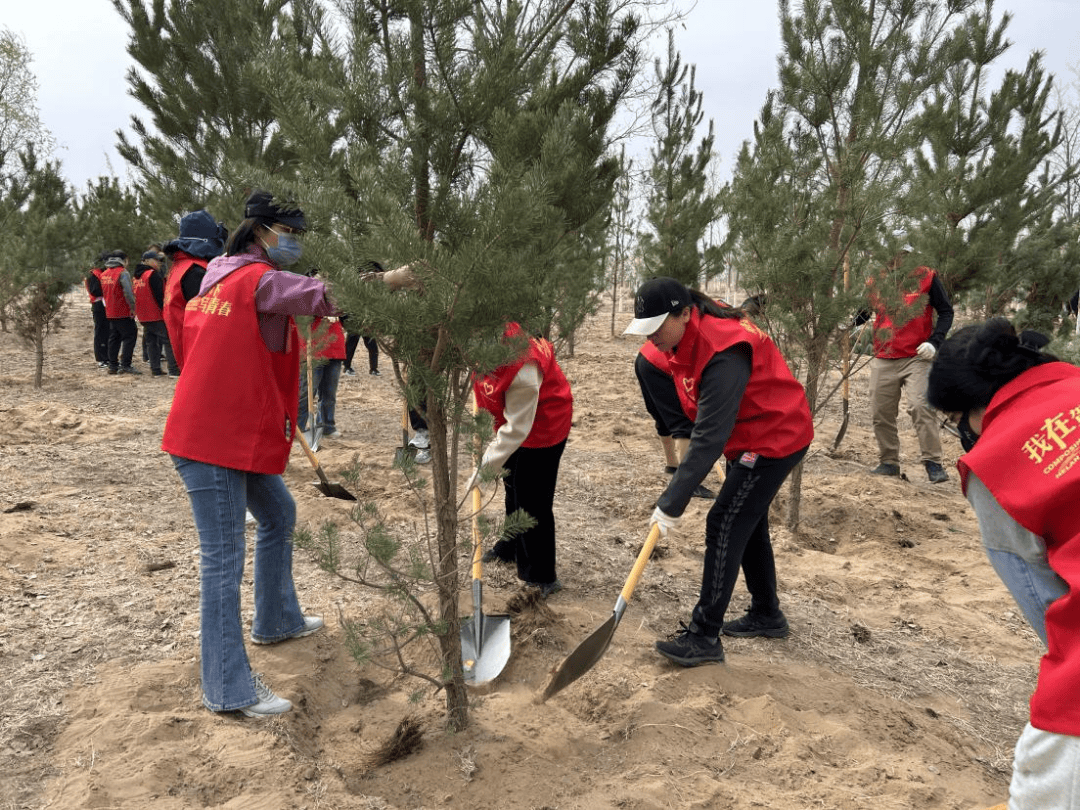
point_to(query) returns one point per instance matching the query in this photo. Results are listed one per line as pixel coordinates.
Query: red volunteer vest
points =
(146, 308)
(97, 273)
(555, 408)
(655, 357)
(235, 404)
(774, 418)
(893, 342)
(330, 345)
(1029, 458)
(116, 305)
(175, 302)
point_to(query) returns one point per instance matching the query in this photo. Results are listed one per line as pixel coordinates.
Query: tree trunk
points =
(446, 578)
(39, 356)
(816, 358)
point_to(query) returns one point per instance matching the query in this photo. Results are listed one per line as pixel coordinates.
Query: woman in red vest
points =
(745, 404)
(229, 433)
(328, 350)
(200, 240)
(1019, 415)
(533, 407)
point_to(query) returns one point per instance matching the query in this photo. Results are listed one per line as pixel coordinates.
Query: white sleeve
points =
(522, 397)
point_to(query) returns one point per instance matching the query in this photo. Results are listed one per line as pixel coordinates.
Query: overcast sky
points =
(80, 62)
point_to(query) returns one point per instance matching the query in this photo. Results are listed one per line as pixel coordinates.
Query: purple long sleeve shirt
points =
(279, 296)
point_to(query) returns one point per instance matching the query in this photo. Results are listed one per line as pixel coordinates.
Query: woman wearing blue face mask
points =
(229, 432)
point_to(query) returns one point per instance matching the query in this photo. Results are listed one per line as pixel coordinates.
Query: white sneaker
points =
(420, 440)
(311, 625)
(269, 704)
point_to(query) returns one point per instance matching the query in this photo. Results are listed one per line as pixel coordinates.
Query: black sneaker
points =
(886, 469)
(703, 491)
(753, 624)
(498, 553)
(689, 648)
(669, 470)
(935, 472)
(112, 370)
(375, 373)
(129, 370)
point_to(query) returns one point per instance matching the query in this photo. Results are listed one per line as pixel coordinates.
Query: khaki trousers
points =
(887, 379)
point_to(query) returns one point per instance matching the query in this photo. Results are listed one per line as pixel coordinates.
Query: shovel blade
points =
(313, 436)
(484, 664)
(333, 490)
(583, 657)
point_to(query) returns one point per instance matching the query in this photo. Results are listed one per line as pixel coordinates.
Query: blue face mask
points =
(288, 250)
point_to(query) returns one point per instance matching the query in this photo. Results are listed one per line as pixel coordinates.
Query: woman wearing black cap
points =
(229, 432)
(1019, 412)
(200, 240)
(745, 404)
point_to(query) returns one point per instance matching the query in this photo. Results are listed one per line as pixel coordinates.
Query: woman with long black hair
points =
(1018, 408)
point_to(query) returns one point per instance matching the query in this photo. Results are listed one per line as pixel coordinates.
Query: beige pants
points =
(887, 379)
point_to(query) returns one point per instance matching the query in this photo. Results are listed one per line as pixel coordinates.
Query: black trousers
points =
(372, 346)
(737, 534)
(662, 400)
(156, 338)
(123, 335)
(101, 332)
(531, 475)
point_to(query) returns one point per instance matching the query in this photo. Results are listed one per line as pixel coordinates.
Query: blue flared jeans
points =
(220, 498)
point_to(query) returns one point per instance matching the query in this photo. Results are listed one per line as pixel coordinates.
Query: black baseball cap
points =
(261, 204)
(656, 299)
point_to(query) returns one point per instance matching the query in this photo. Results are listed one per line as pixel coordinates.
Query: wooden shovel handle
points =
(477, 569)
(640, 563)
(311, 456)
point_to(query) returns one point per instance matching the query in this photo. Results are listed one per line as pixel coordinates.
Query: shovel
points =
(325, 487)
(592, 649)
(485, 640)
(315, 434)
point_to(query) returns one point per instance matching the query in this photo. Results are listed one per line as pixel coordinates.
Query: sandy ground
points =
(904, 682)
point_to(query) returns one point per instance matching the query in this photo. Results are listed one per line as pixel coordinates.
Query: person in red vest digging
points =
(745, 405)
(1018, 411)
(533, 407)
(230, 431)
(200, 240)
(149, 286)
(904, 344)
(119, 298)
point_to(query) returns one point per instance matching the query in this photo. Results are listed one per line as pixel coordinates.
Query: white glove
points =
(662, 519)
(926, 350)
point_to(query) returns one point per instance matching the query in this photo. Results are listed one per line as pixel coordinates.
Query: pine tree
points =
(680, 208)
(204, 74)
(813, 202)
(40, 255)
(988, 202)
(488, 174)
